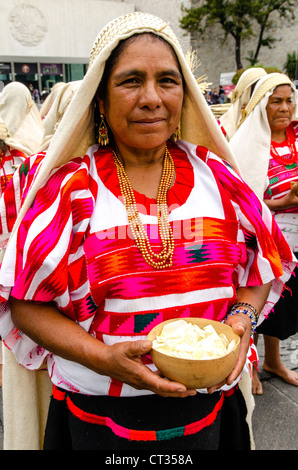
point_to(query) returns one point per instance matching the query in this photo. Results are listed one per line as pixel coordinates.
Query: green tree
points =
(290, 66)
(241, 19)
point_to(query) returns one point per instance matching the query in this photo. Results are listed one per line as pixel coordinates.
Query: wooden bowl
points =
(196, 373)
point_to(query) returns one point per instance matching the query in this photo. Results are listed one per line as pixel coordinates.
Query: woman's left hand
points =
(241, 325)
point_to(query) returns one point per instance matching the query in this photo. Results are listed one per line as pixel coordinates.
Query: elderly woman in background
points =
(241, 95)
(265, 147)
(20, 134)
(116, 236)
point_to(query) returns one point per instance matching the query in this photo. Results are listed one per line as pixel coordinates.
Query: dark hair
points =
(110, 64)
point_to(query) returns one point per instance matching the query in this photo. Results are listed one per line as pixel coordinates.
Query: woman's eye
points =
(169, 80)
(129, 81)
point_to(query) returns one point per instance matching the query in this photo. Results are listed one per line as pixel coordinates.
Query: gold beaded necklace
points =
(164, 258)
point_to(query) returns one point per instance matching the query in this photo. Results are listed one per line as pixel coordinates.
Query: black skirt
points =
(149, 423)
(282, 321)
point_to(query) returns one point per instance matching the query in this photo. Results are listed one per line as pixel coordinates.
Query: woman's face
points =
(144, 95)
(280, 108)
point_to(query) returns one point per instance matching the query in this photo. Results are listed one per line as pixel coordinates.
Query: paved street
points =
(276, 411)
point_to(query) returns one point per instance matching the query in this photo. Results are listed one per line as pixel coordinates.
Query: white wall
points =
(55, 30)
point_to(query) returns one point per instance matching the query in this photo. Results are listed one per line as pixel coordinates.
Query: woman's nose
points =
(150, 96)
(284, 105)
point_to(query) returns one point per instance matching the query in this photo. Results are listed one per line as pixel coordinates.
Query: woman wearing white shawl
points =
(21, 132)
(26, 394)
(265, 147)
(240, 97)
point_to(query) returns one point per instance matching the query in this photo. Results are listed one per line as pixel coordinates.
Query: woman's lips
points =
(149, 121)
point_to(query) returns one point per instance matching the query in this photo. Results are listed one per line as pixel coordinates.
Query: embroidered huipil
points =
(75, 248)
(279, 181)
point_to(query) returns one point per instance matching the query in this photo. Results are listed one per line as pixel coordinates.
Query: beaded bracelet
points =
(247, 309)
(245, 305)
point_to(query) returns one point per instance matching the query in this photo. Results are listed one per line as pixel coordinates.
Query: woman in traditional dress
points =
(265, 147)
(116, 236)
(21, 133)
(24, 423)
(241, 95)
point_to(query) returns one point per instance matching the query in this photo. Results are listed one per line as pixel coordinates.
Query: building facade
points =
(44, 42)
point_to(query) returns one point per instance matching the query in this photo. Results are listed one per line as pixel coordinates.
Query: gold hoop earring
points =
(103, 135)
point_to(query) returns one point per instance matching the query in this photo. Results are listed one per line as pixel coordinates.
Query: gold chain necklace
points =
(164, 258)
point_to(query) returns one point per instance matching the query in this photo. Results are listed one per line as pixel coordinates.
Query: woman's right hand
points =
(45, 325)
(124, 362)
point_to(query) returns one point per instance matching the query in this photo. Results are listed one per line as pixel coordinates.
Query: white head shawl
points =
(48, 102)
(251, 143)
(76, 130)
(62, 98)
(20, 123)
(240, 97)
